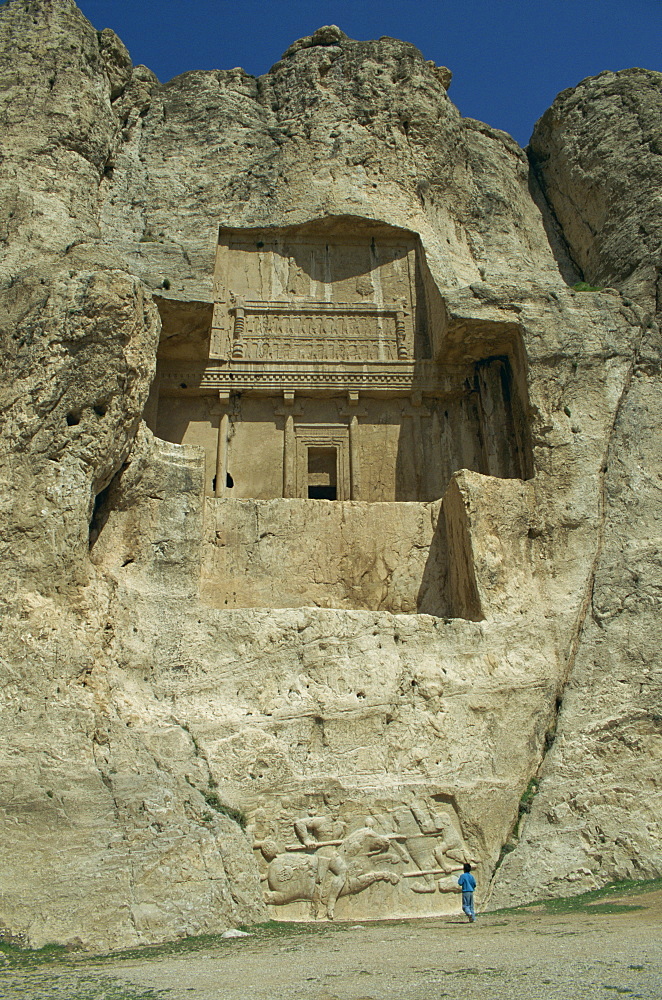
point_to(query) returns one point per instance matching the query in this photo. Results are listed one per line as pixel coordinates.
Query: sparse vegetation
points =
(17, 956)
(526, 801)
(236, 815)
(596, 900)
(583, 286)
(524, 807)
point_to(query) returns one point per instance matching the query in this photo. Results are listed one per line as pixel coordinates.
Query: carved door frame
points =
(321, 436)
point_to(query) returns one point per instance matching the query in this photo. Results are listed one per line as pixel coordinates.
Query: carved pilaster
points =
(417, 411)
(354, 449)
(222, 446)
(289, 446)
(238, 345)
(354, 466)
(400, 334)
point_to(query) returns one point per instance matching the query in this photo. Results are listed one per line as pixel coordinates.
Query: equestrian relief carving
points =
(402, 853)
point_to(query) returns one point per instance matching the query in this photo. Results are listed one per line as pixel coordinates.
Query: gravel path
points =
(524, 954)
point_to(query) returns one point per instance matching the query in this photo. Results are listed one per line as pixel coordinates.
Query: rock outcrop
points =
(142, 719)
(598, 154)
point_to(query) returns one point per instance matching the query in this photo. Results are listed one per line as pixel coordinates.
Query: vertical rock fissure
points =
(519, 820)
(541, 191)
(602, 505)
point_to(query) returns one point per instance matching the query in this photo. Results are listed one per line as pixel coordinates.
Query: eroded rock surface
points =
(140, 721)
(598, 153)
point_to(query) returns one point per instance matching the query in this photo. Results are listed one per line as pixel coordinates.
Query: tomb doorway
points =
(322, 473)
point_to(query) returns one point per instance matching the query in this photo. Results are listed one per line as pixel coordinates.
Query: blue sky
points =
(509, 57)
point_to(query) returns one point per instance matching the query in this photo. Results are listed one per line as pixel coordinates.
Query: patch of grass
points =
(17, 957)
(22, 960)
(583, 286)
(524, 807)
(592, 901)
(612, 907)
(44, 986)
(527, 798)
(287, 928)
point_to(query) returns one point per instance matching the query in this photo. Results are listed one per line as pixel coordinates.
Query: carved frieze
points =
(273, 331)
(274, 377)
(409, 850)
(307, 295)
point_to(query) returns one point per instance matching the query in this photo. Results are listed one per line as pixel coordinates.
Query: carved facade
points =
(320, 374)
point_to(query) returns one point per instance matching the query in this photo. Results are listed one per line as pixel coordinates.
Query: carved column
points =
(289, 446)
(354, 470)
(352, 411)
(355, 479)
(417, 470)
(417, 410)
(238, 333)
(222, 446)
(400, 334)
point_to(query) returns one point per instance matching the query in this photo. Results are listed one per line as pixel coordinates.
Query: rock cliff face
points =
(142, 716)
(597, 149)
(597, 154)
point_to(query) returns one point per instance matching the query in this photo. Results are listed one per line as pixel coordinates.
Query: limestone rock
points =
(597, 151)
(609, 725)
(372, 556)
(78, 350)
(374, 744)
(117, 61)
(443, 74)
(330, 34)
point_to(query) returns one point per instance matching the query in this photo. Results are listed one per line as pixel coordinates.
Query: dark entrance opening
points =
(321, 492)
(322, 473)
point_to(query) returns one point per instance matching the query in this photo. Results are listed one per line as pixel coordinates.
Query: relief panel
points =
(365, 859)
(305, 297)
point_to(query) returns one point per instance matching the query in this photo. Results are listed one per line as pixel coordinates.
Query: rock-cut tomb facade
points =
(320, 375)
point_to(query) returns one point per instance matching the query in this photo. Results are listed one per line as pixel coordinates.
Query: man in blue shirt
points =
(468, 884)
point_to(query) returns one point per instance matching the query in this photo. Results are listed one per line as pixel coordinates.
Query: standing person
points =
(468, 884)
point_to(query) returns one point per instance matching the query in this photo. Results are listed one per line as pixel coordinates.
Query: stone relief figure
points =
(450, 851)
(290, 876)
(314, 829)
(260, 826)
(324, 867)
(354, 856)
(431, 842)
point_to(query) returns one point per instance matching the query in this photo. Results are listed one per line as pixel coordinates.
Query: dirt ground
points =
(597, 949)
